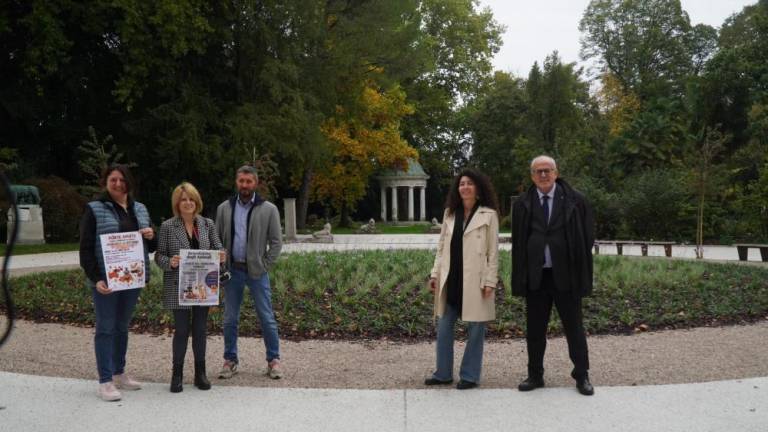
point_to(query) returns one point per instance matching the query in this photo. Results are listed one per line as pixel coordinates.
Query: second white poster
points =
(198, 277)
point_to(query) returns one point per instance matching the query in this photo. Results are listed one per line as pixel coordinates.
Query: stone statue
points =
(322, 236)
(30, 215)
(369, 228)
(325, 232)
(435, 228)
(26, 195)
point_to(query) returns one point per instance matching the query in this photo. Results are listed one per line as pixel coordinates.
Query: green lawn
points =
(366, 294)
(42, 248)
(389, 229)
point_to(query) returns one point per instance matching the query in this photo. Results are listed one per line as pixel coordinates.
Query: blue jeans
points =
(113, 314)
(261, 294)
(472, 362)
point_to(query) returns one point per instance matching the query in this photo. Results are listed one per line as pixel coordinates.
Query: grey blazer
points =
(171, 239)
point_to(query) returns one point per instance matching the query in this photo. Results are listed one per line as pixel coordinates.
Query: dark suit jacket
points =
(570, 235)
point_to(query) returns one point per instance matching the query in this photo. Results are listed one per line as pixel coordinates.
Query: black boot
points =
(201, 381)
(177, 377)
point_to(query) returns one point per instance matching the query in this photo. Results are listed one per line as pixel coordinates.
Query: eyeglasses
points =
(544, 172)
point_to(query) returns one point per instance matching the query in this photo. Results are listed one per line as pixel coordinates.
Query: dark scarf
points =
(455, 272)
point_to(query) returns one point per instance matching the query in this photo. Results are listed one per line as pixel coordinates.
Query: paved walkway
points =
(38, 403)
(32, 403)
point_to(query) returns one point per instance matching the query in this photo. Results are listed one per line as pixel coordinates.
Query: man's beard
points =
(245, 195)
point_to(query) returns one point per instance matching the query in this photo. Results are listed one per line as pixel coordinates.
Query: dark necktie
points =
(545, 206)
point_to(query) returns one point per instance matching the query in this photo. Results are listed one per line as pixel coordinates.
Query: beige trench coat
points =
(481, 264)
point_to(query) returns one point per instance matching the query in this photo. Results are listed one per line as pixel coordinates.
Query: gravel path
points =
(679, 356)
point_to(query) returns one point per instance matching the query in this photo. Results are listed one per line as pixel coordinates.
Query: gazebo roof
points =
(415, 171)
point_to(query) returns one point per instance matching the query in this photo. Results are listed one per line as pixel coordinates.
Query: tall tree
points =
(460, 39)
(363, 142)
(649, 46)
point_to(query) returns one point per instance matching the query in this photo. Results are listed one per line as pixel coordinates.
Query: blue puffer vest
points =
(107, 222)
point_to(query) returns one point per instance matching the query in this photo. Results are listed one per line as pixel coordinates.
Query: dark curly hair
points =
(122, 169)
(485, 193)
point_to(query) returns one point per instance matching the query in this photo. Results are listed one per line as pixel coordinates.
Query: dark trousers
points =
(197, 319)
(538, 308)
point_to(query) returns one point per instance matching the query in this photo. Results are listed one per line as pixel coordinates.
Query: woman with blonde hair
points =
(186, 230)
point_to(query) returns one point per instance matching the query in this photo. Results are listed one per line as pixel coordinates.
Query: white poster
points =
(123, 260)
(198, 277)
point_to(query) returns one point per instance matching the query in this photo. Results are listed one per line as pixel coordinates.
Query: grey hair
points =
(247, 169)
(543, 158)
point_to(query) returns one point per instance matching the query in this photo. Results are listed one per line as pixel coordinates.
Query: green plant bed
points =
(373, 294)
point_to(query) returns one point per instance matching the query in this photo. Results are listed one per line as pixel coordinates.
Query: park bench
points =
(743, 249)
(643, 246)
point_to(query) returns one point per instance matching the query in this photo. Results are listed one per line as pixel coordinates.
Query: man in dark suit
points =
(552, 237)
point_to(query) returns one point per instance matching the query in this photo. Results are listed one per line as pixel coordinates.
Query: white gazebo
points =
(414, 180)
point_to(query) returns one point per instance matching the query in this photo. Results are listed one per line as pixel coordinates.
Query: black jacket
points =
(579, 238)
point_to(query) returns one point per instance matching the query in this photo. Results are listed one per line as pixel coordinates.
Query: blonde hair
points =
(192, 193)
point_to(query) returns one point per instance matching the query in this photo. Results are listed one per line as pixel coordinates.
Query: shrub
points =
(62, 208)
(656, 205)
(606, 206)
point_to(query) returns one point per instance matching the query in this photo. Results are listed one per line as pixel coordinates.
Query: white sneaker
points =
(228, 370)
(108, 392)
(274, 370)
(124, 382)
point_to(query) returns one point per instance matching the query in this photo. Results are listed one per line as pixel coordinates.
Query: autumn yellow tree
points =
(620, 104)
(363, 141)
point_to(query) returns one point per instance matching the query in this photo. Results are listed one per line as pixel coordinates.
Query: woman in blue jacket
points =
(114, 211)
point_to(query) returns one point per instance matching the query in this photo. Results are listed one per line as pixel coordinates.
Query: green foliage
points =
(657, 137)
(657, 205)
(355, 295)
(649, 45)
(189, 89)
(62, 208)
(94, 159)
(8, 156)
(606, 205)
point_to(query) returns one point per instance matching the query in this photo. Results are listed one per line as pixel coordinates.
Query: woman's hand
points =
(175, 261)
(222, 256)
(148, 233)
(487, 291)
(432, 285)
(102, 288)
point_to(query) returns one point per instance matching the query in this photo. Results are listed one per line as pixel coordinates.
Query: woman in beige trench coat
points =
(465, 274)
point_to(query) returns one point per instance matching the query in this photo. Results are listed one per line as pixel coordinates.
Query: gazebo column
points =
(383, 204)
(423, 208)
(394, 203)
(410, 203)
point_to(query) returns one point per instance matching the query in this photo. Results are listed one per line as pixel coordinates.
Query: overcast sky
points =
(535, 28)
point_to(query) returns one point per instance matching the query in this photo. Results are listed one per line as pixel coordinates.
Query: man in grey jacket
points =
(249, 228)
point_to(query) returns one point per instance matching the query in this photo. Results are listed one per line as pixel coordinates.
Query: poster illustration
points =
(123, 255)
(198, 277)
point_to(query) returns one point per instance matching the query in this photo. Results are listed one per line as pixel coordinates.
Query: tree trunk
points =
(345, 222)
(303, 200)
(700, 221)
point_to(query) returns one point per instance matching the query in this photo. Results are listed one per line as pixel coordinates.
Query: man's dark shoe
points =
(530, 384)
(465, 385)
(585, 387)
(435, 381)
